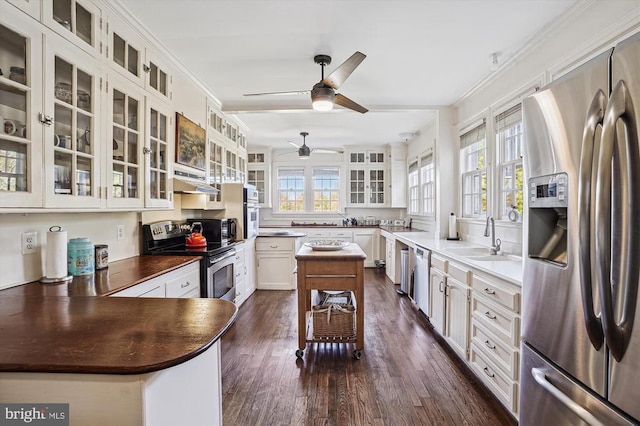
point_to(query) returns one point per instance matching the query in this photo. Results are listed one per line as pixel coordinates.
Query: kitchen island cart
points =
(338, 270)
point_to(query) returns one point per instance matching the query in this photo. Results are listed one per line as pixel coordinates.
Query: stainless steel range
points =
(217, 277)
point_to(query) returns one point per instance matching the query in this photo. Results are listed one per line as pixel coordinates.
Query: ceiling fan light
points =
(304, 152)
(322, 98)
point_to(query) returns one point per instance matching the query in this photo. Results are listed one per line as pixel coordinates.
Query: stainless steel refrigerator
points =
(581, 349)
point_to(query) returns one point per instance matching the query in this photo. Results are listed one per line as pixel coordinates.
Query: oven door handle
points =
(231, 253)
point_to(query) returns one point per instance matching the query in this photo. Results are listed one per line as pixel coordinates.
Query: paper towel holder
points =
(45, 280)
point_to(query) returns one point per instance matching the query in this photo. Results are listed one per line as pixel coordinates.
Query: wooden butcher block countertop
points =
(63, 329)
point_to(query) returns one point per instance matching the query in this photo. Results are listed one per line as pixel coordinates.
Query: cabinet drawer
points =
(275, 244)
(316, 234)
(503, 355)
(343, 235)
(151, 288)
(438, 262)
(505, 389)
(330, 267)
(181, 285)
(499, 321)
(460, 273)
(504, 294)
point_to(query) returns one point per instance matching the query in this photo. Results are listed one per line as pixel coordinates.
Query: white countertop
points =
(508, 270)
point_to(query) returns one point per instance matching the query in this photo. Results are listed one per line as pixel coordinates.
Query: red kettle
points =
(196, 239)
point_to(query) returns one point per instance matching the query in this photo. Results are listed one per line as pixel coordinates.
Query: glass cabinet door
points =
(216, 161)
(376, 187)
(20, 100)
(72, 155)
(78, 21)
(125, 150)
(159, 154)
(125, 51)
(357, 185)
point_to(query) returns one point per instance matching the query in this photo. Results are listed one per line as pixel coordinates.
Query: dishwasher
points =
(422, 258)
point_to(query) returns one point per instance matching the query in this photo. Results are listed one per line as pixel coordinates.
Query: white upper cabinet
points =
(125, 109)
(159, 75)
(125, 51)
(20, 104)
(78, 21)
(158, 154)
(72, 147)
(367, 177)
(31, 7)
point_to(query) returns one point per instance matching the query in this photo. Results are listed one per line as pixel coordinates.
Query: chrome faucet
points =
(495, 242)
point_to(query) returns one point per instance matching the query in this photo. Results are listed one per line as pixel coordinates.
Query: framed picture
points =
(190, 143)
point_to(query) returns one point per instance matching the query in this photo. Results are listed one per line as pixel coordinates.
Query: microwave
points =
(219, 231)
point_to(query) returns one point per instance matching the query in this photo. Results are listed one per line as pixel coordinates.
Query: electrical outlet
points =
(29, 242)
(120, 232)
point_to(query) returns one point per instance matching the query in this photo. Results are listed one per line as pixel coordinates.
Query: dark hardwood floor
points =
(406, 376)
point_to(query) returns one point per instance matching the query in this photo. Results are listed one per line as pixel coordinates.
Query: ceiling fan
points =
(304, 151)
(323, 94)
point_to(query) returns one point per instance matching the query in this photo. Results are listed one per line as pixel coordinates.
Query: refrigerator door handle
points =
(586, 178)
(541, 379)
(626, 167)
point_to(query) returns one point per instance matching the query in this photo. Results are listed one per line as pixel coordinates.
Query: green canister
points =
(80, 255)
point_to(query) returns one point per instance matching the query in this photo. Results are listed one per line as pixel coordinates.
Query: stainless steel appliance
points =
(580, 359)
(422, 258)
(221, 231)
(241, 201)
(217, 277)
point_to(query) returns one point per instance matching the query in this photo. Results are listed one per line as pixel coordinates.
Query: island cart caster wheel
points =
(299, 353)
(357, 354)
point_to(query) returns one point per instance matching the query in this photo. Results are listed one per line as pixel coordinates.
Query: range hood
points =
(190, 185)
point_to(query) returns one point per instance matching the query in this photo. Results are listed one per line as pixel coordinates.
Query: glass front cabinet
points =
(20, 103)
(367, 174)
(80, 129)
(72, 150)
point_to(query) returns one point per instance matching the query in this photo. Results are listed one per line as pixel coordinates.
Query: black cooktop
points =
(212, 249)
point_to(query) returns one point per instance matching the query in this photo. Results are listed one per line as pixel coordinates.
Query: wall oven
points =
(250, 212)
(217, 269)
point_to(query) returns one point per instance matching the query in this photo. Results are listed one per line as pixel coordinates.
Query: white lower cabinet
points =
(479, 317)
(495, 337)
(180, 283)
(457, 316)
(250, 267)
(275, 263)
(239, 269)
(367, 239)
(437, 289)
(390, 258)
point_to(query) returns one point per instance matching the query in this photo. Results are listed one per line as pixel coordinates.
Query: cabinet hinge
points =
(101, 48)
(101, 84)
(100, 23)
(107, 28)
(106, 50)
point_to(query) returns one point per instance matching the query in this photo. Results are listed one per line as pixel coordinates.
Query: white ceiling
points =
(420, 54)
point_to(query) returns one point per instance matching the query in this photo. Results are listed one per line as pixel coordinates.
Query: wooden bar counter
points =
(156, 360)
(330, 270)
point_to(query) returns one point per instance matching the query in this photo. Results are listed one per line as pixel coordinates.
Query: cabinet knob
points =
(489, 291)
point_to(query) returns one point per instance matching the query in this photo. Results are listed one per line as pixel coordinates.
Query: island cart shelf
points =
(330, 270)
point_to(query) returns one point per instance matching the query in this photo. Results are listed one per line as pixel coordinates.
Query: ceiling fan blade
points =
(294, 144)
(340, 74)
(299, 92)
(288, 152)
(328, 151)
(342, 100)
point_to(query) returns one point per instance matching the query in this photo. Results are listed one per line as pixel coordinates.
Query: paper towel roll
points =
(56, 253)
(453, 233)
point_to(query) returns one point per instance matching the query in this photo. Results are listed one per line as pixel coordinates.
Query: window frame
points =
(414, 187)
(474, 143)
(427, 173)
(308, 188)
(509, 128)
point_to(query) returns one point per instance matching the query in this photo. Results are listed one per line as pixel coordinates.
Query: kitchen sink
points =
(490, 258)
(469, 251)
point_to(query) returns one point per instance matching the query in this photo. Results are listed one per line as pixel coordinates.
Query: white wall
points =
(100, 228)
(593, 27)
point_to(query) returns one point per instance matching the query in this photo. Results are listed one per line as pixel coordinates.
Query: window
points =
(414, 189)
(291, 190)
(326, 184)
(473, 153)
(509, 145)
(427, 180)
